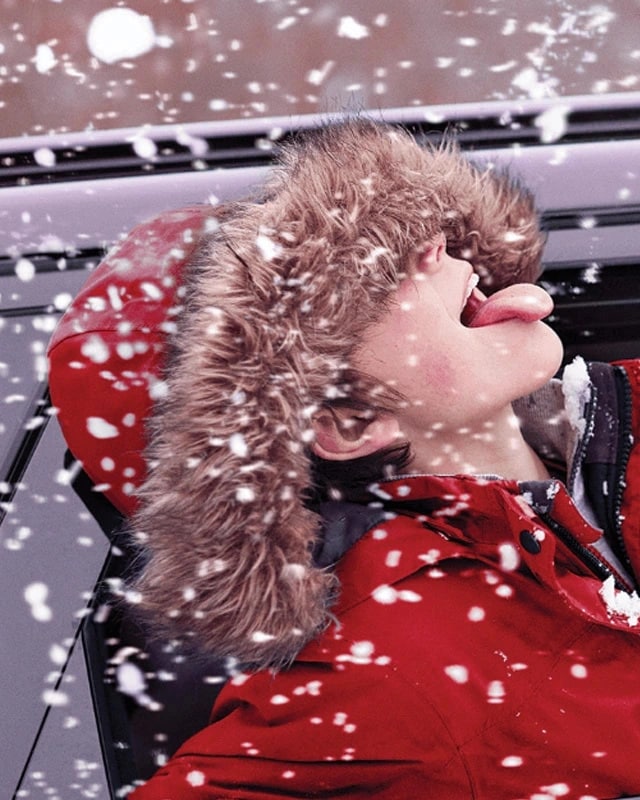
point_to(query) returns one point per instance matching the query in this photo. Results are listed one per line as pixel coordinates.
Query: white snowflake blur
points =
(116, 34)
(181, 62)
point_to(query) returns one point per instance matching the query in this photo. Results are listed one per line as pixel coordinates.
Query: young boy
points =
(366, 488)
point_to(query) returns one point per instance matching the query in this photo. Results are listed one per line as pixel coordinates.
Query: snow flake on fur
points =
(576, 387)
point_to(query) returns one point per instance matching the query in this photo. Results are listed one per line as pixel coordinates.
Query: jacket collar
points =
(576, 422)
(572, 423)
(429, 522)
(426, 520)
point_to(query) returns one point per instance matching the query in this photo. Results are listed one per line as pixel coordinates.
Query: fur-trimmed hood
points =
(273, 305)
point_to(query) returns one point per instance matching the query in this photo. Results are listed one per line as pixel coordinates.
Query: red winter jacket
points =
(480, 649)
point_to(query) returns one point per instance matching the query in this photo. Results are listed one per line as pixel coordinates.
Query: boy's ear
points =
(344, 433)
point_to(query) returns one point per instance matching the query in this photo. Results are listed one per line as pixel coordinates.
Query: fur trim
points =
(494, 225)
(274, 304)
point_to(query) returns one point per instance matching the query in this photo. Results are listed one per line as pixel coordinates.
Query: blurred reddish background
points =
(178, 61)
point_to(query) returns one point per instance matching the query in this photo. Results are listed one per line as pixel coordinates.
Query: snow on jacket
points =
(483, 646)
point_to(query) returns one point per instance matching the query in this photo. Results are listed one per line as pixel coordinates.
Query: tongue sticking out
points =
(522, 301)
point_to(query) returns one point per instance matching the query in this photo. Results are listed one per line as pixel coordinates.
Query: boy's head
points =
(345, 217)
(276, 304)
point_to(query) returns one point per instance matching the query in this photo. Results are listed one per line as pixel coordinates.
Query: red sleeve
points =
(313, 732)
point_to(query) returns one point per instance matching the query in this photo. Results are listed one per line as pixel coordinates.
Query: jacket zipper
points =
(590, 421)
(600, 568)
(624, 402)
(625, 444)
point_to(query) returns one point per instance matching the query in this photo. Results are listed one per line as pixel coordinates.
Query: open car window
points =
(113, 113)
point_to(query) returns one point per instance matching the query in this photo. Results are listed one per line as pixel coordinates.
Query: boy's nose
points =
(434, 252)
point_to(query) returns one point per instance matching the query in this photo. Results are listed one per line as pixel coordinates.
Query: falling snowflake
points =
(267, 247)
(45, 157)
(144, 147)
(318, 76)
(509, 557)
(457, 673)
(55, 697)
(245, 494)
(579, 671)
(476, 614)
(36, 595)
(101, 429)
(592, 273)
(95, 349)
(117, 34)
(552, 123)
(45, 59)
(238, 445)
(196, 778)
(279, 700)
(512, 761)
(350, 28)
(25, 270)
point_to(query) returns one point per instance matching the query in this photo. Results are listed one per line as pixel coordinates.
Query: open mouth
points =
(472, 301)
(520, 301)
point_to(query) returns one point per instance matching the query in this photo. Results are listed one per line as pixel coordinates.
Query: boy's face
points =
(457, 373)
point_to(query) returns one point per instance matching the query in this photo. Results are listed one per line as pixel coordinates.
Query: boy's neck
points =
(493, 447)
